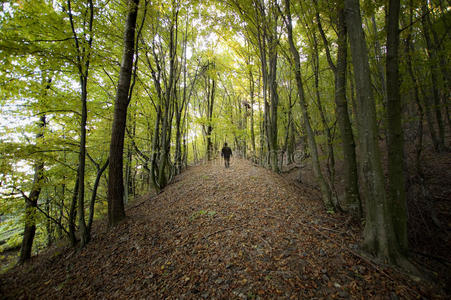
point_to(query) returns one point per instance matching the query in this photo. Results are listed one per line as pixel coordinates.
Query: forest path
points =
(242, 232)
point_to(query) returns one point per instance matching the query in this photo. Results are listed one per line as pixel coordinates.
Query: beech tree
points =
(324, 187)
(384, 233)
(116, 212)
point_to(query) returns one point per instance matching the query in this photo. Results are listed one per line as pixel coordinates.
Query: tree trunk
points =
(156, 149)
(410, 51)
(251, 91)
(31, 202)
(178, 141)
(379, 235)
(73, 213)
(433, 62)
(352, 196)
(274, 103)
(83, 232)
(379, 63)
(100, 171)
(330, 149)
(163, 173)
(210, 102)
(325, 189)
(395, 142)
(115, 195)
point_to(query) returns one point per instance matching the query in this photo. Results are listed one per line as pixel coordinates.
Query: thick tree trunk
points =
(380, 237)
(352, 195)
(395, 142)
(31, 202)
(325, 189)
(115, 195)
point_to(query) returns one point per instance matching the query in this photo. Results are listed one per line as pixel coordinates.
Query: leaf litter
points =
(216, 233)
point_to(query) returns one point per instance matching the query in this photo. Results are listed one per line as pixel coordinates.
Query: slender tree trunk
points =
(100, 171)
(178, 141)
(433, 62)
(163, 173)
(83, 57)
(442, 55)
(210, 102)
(410, 51)
(48, 223)
(274, 103)
(156, 149)
(31, 202)
(262, 130)
(115, 195)
(289, 144)
(378, 59)
(325, 189)
(73, 213)
(252, 91)
(185, 144)
(330, 149)
(59, 231)
(83, 232)
(162, 179)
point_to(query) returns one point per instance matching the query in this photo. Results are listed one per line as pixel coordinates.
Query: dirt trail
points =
(241, 232)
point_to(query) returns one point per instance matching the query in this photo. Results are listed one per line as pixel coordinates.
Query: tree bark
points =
(330, 149)
(169, 97)
(210, 101)
(379, 63)
(325, 189)
(252, 91)
(73, 213)
(31, 202)
(410, 51)
(274, 103)
(380, 237)
(352, 194)
(83, 232)
(395, 142)
(92, 203)
(433, 62)
(115, 195)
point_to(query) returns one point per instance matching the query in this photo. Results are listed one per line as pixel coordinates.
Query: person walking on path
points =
(226, 152)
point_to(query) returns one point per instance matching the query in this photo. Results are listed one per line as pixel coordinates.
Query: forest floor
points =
(237, 233)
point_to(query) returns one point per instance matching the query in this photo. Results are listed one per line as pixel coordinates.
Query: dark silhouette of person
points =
(226, 152)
